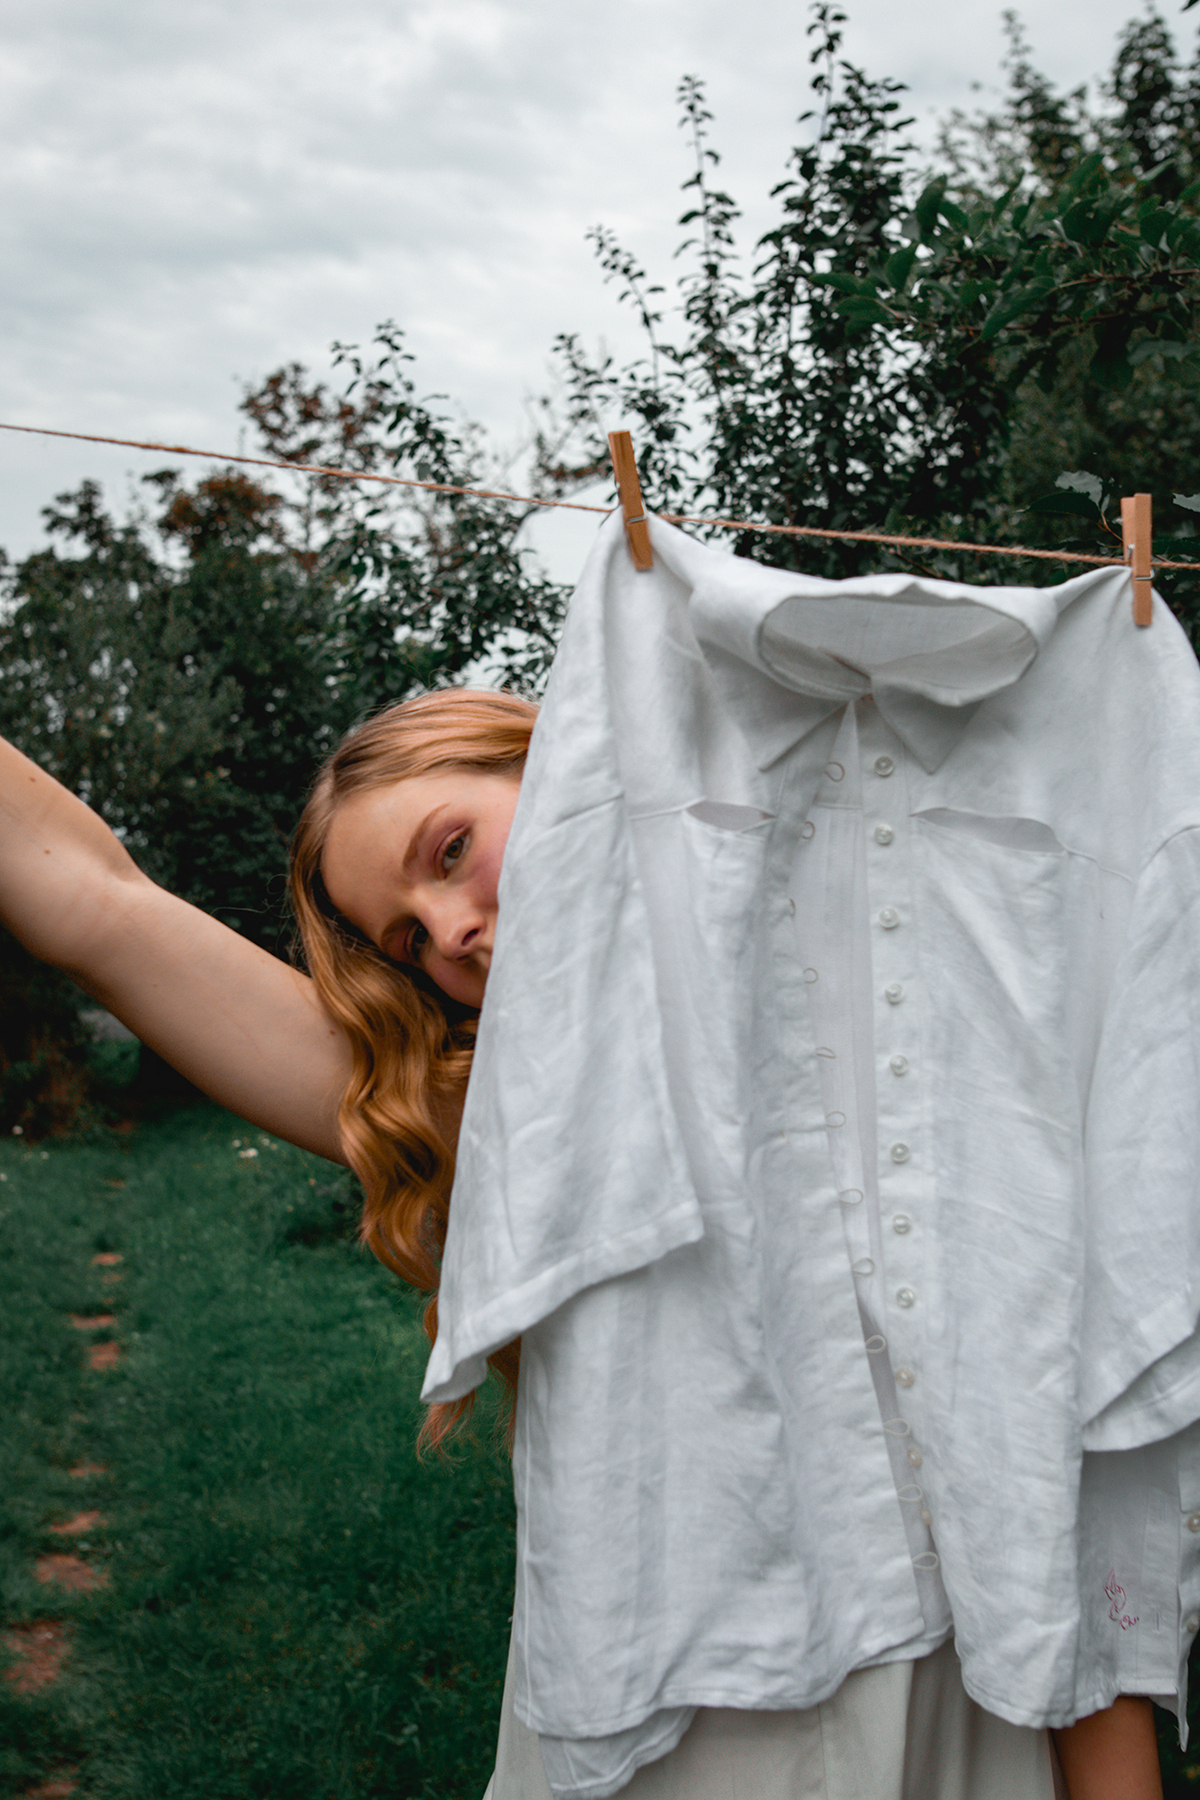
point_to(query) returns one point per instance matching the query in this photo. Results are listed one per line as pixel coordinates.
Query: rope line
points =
(445, 487)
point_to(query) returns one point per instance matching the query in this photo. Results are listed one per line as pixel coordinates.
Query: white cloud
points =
(193, 195)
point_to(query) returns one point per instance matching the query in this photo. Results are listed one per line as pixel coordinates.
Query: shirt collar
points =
(788, 650)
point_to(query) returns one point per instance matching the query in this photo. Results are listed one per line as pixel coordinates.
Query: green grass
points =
(297, 1607)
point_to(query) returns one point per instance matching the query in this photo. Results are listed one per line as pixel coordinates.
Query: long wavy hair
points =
(411, 1045)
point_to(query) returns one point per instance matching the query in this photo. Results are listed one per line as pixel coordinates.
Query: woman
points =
(364, 1059)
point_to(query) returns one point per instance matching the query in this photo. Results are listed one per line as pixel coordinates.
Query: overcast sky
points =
(196, 193)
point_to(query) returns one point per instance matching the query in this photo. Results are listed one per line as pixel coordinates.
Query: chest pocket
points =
(1007, 832)
(703, 868)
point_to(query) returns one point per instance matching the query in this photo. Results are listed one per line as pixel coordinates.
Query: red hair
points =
(411, 1046)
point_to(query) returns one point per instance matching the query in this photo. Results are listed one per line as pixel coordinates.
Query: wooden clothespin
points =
(1137, 529)
(629, 489)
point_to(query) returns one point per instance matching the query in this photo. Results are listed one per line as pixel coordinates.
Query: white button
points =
(1192, 1625)
(899, 1065)
(808, 830)
(900, 1152)
(915, 1458)
(926, 1516)
(901, 1224)
(810, 975)
(834, 771)
(893, 993)
(884, 834)
(1194, 1522)
(905, 1377)
(905, 1297)
(884, 765)
(889, 918)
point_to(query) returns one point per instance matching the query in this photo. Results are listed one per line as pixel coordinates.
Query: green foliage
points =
(185, 671)
(187, 700)
(926, 353)
(947, 352)
(296, 1605)
(438, 585)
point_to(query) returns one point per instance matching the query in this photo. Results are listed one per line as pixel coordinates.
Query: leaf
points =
(1171, 348)
(1079, 481)
(1078, 506)
(899, 266)
(1013, 305)
(928, 207)
(845, 284)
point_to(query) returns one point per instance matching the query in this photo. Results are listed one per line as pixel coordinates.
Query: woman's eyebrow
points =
(412, 855)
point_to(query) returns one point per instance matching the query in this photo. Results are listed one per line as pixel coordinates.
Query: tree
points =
(186, 670)
(186, 700)
(927, 353)
(437, 583)
(992, 349)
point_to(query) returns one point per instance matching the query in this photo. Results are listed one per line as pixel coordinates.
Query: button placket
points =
(817, 864)
(896, 986)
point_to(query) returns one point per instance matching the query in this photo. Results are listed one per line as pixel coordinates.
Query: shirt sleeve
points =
(571, 1169)
(1140, 1369)
(571, 1166)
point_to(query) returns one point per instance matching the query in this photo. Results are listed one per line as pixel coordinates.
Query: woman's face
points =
(415, 866)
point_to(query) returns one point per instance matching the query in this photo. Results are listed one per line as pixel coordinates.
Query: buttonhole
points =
(897, 1427)
(851, 1196)
(876, 1345)
(864, 1266)
(928, 1559)
(835, 1119)
(911, 1493)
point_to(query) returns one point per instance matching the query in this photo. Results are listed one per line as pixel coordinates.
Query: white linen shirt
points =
(832, 1142)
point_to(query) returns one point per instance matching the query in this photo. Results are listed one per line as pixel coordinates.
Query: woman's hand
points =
(243, 1026)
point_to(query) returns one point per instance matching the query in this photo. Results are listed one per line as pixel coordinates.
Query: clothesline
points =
(887, 539)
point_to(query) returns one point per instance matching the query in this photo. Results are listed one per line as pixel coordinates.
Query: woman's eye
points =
(417, 942)
(454, 849)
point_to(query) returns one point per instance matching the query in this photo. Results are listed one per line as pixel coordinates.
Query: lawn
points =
(295, 1608)
(295, 1605)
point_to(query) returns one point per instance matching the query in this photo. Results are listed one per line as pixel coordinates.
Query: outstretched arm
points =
(237, 1022)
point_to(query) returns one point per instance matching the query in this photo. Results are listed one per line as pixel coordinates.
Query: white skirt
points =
(905, 1731)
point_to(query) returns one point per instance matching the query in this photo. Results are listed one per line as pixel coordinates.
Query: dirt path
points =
(42, 1646)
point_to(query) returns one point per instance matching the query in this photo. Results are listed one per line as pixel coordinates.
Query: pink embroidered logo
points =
(1116, 1595)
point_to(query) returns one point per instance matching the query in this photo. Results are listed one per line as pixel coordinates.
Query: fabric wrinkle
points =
(838, 1130)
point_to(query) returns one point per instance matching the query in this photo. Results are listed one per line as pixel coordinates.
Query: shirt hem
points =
(452, 1370)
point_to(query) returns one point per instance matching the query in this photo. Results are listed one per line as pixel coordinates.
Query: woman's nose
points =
(454, 927)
